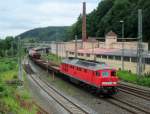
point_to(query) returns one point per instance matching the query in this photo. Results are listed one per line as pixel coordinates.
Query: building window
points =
(88, 55)
(126, 58)
(104, 56)
(117, 58)
(110, 57)
(98, 56)
(82, 54)
(147, 60)
(71, 53)
(133, 59)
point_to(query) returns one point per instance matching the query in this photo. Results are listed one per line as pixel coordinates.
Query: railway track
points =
(127, 105)
(64, 102)
(141, 93)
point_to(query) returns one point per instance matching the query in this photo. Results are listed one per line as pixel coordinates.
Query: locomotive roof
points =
(87, 64)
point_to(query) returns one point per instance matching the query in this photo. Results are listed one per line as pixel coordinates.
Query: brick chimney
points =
(84, 36)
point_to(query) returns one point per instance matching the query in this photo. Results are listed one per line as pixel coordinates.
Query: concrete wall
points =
(61, 48)
(129, 45)
(89, 45)
(64, 49)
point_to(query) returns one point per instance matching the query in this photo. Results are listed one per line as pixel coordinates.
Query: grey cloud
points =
(21, 15)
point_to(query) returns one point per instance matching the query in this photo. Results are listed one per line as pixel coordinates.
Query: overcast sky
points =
(17, 16)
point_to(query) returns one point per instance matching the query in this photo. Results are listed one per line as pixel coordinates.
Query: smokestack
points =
(84, 36)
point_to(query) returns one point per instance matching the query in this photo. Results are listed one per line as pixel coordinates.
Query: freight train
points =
(98, 75)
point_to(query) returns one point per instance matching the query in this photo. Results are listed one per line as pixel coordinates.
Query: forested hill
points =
(108, 14)
(46, 34)
(104, 18)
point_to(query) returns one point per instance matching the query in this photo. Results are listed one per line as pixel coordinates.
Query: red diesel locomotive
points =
(96, 74)
(34, 54)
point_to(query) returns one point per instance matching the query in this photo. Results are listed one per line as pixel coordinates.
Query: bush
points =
(15, 76)
(133, 78)
(1, 88)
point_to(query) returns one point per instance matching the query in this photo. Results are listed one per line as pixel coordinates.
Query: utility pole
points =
(57, 45)
(93, 49)
(60, 50)
(66, 53)
(63, 50)
(20, 75)
(12, 48)
(47, 64)
(122, 23)
(139, 46)
(76, 46)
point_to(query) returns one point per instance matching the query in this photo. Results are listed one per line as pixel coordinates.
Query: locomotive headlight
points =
(109, 83)
(114, 82)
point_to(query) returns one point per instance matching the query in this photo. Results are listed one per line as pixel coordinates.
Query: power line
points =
(76, 38)
(139, 46)
(19, 61)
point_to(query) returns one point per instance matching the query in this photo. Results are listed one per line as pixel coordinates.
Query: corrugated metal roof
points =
(87, 64)
(127, 53)
(113, 52)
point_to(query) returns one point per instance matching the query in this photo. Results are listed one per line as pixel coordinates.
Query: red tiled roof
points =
(96, 50)
(111, 33)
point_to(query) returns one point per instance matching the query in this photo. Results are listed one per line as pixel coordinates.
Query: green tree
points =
(107, 17)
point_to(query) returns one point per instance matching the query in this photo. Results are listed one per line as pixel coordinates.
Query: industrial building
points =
(111, 50)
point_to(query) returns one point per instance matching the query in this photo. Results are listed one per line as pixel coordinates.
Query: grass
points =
(8, 93)
(15, 106)
(133, 78)
(7, 64)
(52, 57)
(24, 94)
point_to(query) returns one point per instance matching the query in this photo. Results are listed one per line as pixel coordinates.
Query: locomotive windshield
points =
(105, 74)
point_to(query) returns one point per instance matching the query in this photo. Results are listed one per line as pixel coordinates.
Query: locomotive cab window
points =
(97, 73)
(113, 73)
